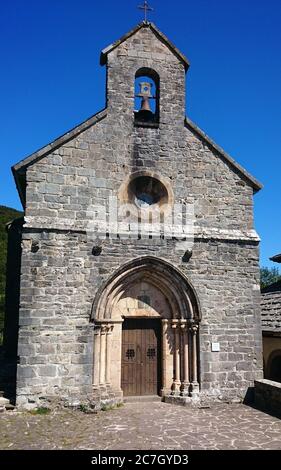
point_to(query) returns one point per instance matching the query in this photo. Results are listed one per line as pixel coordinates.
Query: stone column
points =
(194, 384)
(96, 372)
(108, 355)
(176, 378)
(164, 356)
(102, 355)
(185, 384)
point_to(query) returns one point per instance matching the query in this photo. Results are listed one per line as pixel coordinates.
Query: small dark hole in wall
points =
(34, 247)
(96, 251)
(187, 255)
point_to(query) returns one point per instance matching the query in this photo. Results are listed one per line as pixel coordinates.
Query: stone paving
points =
(142, 426)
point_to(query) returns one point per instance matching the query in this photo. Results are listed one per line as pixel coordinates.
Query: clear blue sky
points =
(51, 80)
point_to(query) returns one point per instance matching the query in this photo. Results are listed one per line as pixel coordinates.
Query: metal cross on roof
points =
(146, 8)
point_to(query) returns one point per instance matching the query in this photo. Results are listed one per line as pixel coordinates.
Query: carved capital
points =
(175, 323)
(194, 328)
(183, 326)
(97, 330)
(103, 329)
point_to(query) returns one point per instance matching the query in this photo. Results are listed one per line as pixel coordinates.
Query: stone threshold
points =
(182, 401)
(142, 398)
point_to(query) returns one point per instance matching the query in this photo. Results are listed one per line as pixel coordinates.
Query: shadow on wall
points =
(8, 352)
(273, 367)
(249, 398)
(268, 397)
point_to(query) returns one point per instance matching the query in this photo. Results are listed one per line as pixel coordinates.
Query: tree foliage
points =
(269, 276)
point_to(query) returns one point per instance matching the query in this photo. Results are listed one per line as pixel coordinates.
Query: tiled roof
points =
(276, 258)
(271, 309)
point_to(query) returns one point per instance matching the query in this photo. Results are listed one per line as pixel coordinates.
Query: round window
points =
(146, 191)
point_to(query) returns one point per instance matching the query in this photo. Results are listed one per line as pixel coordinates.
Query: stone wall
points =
(89, 169)
(268, 396)
(59, 283)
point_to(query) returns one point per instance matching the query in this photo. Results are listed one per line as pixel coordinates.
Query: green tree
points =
(269, 276)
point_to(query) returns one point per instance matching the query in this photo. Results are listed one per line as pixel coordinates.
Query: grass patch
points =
(107, 407)
(111, 407)
(40, 411)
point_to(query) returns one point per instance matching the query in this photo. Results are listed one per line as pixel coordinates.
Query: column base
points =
(185, 389)
(165, 391)
(106, 397)
(194, 389)
(181, 400)
(176, 388)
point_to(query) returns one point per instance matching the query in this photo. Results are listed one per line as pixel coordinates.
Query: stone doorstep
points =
(5, 404)
(142, 398)
(4, 401)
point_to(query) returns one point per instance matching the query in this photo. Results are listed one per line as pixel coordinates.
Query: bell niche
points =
(146, 97)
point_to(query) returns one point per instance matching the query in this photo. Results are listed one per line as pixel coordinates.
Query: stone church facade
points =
(111, 311)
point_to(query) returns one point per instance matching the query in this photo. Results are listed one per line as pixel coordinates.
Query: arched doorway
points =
(274, 366)
(146, 332)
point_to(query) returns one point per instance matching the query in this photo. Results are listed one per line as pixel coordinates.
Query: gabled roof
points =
(42, 152)
(158, 34)
(276, 258)
(275, 287)
(238, 168)
(19, 168)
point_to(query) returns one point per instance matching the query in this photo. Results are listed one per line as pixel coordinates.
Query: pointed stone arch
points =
(178, 288)
(176, 309)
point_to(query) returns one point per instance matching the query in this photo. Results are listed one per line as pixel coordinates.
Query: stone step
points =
(4, 401)
(9, 407)
(142, 398)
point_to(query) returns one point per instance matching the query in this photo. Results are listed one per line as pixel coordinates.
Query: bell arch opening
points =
(146, 291)
(147, 96)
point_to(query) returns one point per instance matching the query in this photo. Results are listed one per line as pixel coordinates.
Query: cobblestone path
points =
(147, 426)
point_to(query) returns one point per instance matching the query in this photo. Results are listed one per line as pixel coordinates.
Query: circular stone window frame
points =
(128, 199)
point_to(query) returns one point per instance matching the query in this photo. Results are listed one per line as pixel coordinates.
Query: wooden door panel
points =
(140, 357)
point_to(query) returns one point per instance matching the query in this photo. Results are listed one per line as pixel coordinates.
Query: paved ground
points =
(147, 426)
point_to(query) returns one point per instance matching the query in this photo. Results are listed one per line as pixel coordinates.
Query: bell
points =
(145, 114)
(145, 106)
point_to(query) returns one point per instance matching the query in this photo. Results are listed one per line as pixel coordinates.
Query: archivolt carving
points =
(169, 280)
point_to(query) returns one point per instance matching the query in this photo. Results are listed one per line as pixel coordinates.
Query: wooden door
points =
(140, 357)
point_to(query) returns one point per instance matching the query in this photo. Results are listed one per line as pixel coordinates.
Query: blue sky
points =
(51, 80)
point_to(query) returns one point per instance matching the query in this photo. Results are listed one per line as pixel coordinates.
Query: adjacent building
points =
(271, 328)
